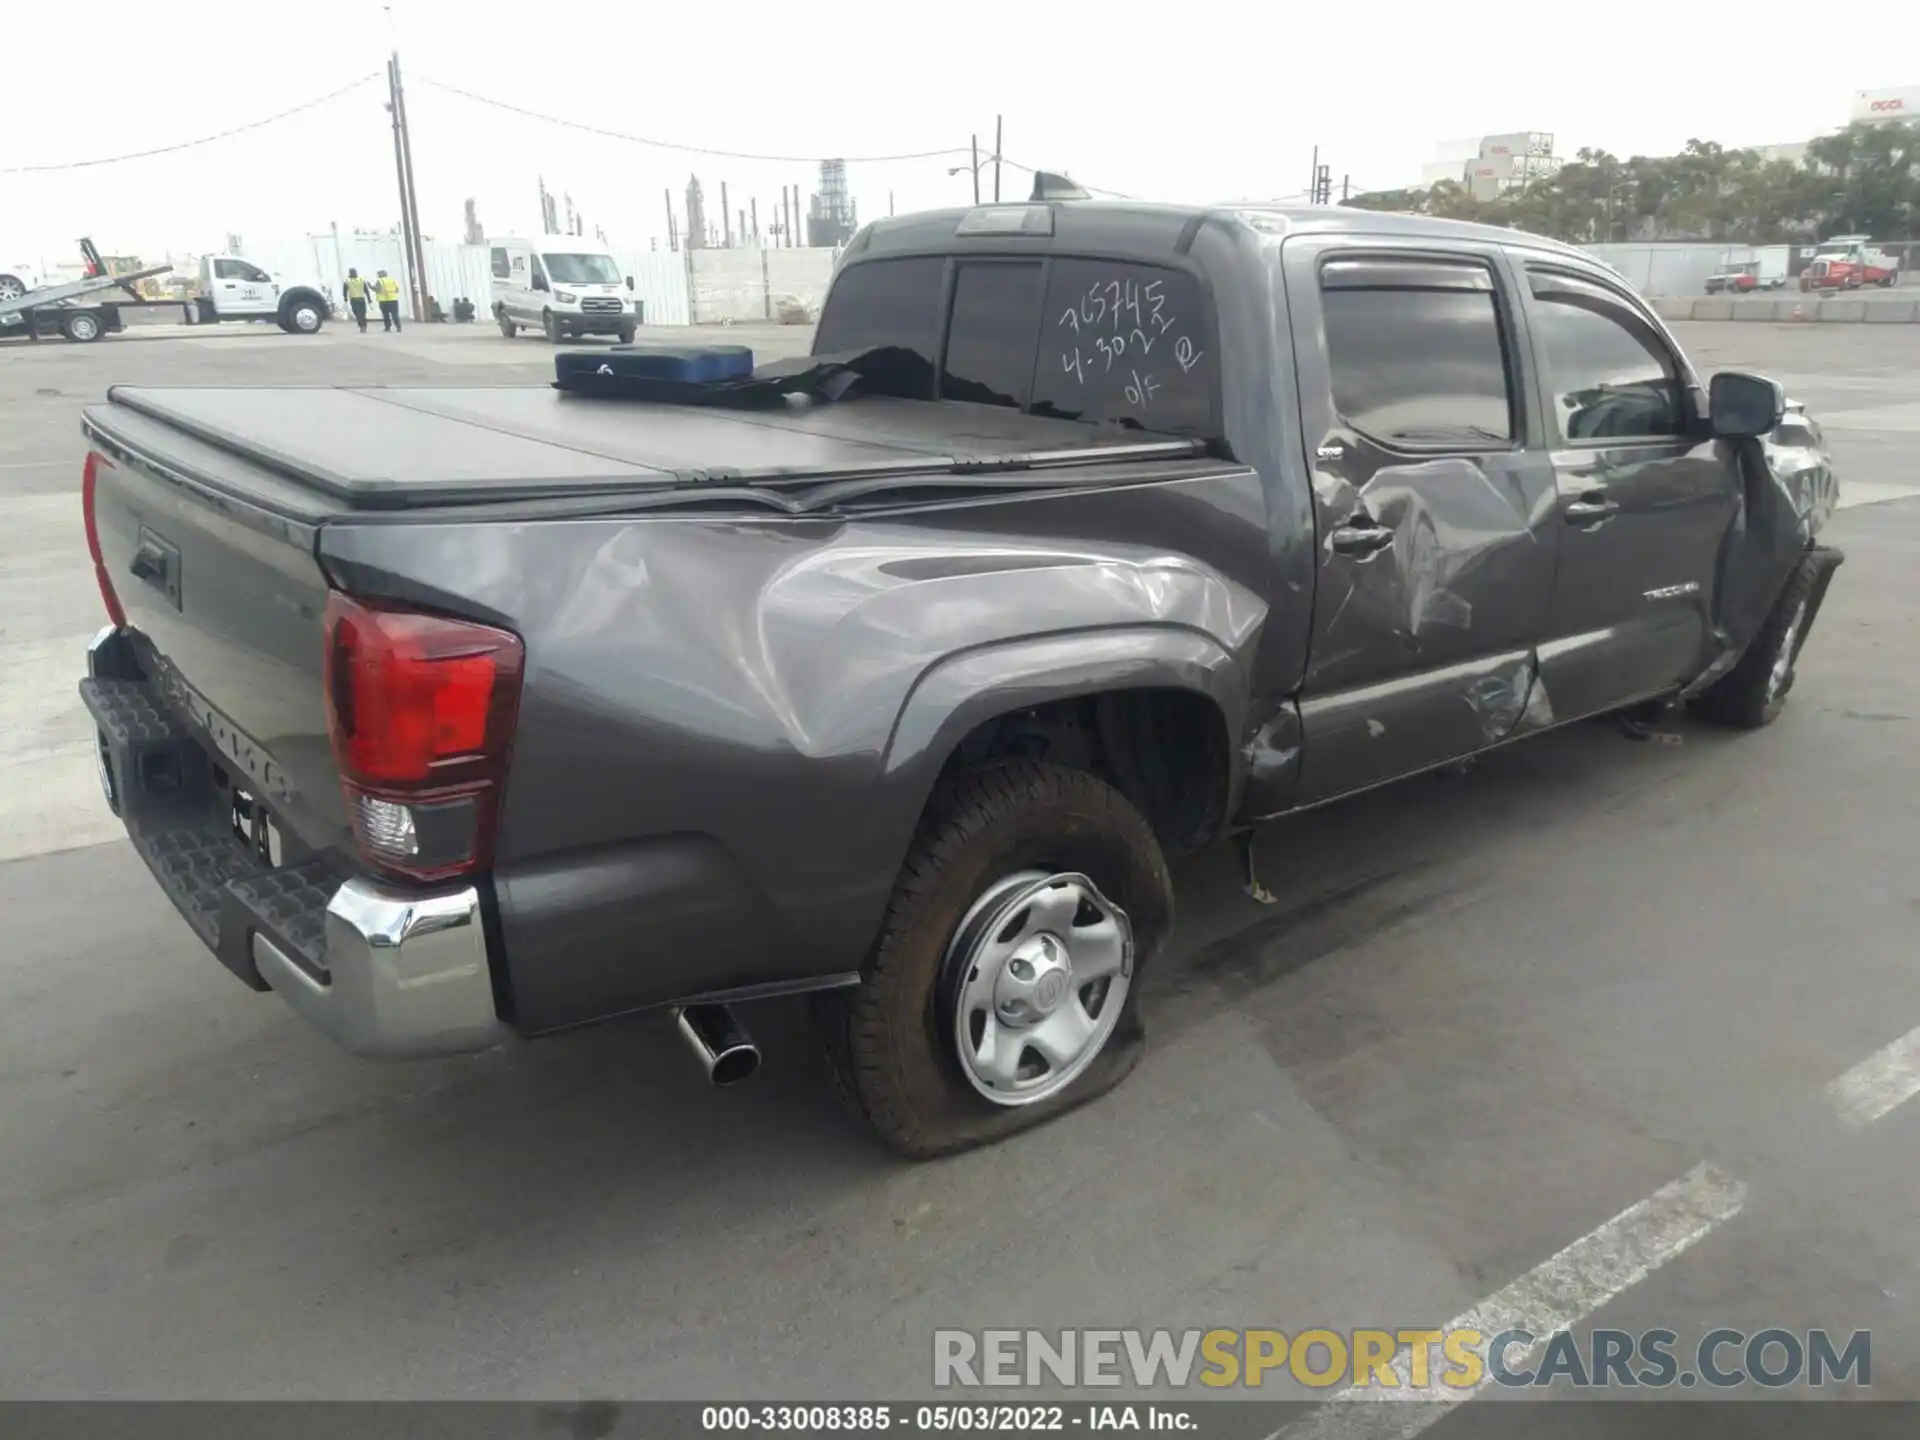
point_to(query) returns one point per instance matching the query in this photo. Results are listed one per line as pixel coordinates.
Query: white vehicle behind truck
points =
(230, 288)
(17, 277)
(235, 289)
(562, 286)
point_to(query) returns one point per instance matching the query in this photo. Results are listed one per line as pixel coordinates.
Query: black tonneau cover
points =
(387, 448)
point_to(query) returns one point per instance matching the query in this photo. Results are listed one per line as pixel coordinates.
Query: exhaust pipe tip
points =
(720, 1042)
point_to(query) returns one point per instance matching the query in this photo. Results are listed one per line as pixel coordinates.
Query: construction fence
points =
(690, 287)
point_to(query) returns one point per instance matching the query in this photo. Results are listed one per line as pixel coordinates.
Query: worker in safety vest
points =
(386, 290)
(356, 292)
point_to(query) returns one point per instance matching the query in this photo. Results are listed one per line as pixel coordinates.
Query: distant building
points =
(1885, 107)
(831, 214)
(1511, 162)
(696, 215)
(1490, 166)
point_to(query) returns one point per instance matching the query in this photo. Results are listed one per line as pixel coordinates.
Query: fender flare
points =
(960, 692)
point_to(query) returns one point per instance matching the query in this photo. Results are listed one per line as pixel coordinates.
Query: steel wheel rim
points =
(84, 327)
(1040, 969)
(1783, 662)
(306, 318)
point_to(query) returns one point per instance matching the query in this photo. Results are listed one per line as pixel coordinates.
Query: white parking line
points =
(1554, 1295)
(1885, 1079)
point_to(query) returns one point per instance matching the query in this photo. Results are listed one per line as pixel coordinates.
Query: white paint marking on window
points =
(1884, 1080)
(1555, 1295)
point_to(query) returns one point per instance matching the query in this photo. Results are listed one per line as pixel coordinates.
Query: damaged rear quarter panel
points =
(730, 726)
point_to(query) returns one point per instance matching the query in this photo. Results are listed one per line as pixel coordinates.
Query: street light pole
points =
(976, 169)
(996, 159)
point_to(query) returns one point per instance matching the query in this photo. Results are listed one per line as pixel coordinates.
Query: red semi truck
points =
(1847, 262)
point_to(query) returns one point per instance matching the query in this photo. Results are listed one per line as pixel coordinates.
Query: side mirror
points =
(629, 282)
(1744, 407)
(540, 282)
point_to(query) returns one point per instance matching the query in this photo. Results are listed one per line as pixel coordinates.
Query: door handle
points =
(1590, 507)
(1361, 538)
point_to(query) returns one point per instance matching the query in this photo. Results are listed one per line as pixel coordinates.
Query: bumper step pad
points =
(161, 783)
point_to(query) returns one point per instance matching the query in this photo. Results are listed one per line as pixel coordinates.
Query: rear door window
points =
(892, 304)
(990, 340)
(1126, 344)
(1416, 353)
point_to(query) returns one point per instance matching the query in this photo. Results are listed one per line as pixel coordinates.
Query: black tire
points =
(551, 324)
(626, 334)
(890, 1050)
(1750, 695)
(507, 327)
(82, 328)
(302, 317)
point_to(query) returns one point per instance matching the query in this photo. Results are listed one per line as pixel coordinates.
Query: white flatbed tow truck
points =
(231, 289)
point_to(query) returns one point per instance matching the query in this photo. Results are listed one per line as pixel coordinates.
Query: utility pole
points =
(753, 210)
(1346, 187)
(726, 216)
(889, 204)
(400, 171)
(996, 159)
(673, 228)
(409, 197)
(1313, 176)
(976, 169)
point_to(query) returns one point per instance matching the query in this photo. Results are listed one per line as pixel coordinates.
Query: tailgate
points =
(227, 602)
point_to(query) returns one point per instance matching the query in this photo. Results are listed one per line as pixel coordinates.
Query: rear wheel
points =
(82, 328)
(1004, 989)
(12, 287)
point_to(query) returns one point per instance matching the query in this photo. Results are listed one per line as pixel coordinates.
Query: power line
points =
(686, 149)
(188, 144)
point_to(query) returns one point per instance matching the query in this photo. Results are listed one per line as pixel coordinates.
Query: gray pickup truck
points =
(1092, 533)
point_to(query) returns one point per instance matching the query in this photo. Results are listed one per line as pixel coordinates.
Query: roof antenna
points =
(1048, 186)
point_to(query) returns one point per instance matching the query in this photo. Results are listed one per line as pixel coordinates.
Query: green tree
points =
(1863, 180)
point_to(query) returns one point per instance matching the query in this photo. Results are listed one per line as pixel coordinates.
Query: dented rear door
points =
(1432, 496)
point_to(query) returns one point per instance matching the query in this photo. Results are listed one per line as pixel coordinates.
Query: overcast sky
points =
(1204, 100)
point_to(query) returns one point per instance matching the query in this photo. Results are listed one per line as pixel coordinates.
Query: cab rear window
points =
(1126, 344)
(888, 304)
(1092, 340)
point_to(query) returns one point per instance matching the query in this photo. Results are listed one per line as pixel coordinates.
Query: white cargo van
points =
(561, 285)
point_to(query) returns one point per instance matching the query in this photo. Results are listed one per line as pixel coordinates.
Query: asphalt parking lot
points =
(1593, 1031)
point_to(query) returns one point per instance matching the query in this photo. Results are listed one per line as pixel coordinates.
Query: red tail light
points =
(421, 710)
(89, 482)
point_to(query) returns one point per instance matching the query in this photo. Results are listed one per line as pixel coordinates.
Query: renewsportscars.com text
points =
(1411, 1360)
